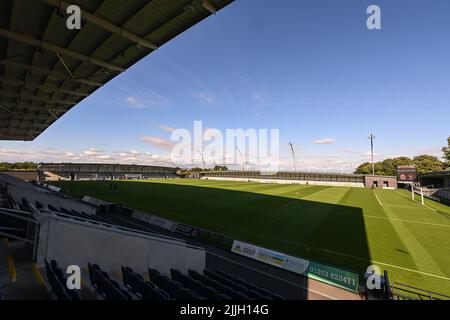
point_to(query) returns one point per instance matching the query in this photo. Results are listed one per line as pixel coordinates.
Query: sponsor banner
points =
(163, 223)
(341, 278)
(94, 201)
(155, 220)
(141, 216)
(186, 230)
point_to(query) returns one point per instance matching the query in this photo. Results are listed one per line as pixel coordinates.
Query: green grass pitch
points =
(345, 227)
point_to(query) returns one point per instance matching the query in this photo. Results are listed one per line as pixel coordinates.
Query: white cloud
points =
(166, 128)
(348, 150)
(205, 97)
(149, 100)
(324, 141)
(131, 101)
(158, 142)
(258, 98)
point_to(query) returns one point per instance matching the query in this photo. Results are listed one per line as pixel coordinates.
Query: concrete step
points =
(5, 277)
(28, 283)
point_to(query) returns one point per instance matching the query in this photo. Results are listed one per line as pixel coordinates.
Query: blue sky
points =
(309, 68)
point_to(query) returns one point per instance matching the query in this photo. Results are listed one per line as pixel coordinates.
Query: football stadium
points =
(132, 225)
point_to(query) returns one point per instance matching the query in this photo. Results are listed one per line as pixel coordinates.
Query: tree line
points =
(26, 166)
(424, 163)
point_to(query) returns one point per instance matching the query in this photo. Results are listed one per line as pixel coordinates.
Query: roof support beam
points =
(28, 97)
(20, 108)
(7, 109)
(44, 87)
(48, 46)
(106, 25)
(51, 74)
(209, 6)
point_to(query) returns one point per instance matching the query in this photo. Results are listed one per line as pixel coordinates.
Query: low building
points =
(385, 182)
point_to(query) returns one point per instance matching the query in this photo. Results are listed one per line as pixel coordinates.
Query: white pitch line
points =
(385, 218)
(378, 199)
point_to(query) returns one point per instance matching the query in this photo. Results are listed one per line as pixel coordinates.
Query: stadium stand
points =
(306, 178)
(55, 218)
(92, 171)
(159, 287)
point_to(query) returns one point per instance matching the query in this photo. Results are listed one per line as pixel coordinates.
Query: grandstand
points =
(306, 178)
(44, 225)
(139, 232)
(90, 171)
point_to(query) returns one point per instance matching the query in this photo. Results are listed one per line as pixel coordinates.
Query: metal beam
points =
(45, 87)
(30, 97)
(7, 109)
(28, 107)
(48, 46)
(51, 74)
(106, 25)
(27, 123)
(209, 6)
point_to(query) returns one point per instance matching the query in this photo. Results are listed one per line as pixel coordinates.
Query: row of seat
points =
(193, 286)
(145, 290)
(108, 288)
(207, 290)
(58, 282)
(178, 290)
(249, 286)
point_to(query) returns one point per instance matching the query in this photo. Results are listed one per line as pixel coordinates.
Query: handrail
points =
(12, 213)
(416, 292)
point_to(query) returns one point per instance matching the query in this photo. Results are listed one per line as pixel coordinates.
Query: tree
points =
(364, 168)
(446, 151)
(426, 163)
(220, 168)
(386, 167)
(26, 166)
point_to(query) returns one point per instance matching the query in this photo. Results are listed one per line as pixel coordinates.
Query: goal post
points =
(417, 191)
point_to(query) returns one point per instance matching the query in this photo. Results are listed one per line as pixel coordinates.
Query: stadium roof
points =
(46, 69)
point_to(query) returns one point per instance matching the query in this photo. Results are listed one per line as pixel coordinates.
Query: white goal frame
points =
(419, 191)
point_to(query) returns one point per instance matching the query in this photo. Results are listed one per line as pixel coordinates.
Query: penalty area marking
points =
(378, 199)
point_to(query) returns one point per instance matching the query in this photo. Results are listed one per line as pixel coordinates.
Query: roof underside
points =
(46, 69)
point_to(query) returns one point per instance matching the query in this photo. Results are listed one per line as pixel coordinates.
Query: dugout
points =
(437, 179)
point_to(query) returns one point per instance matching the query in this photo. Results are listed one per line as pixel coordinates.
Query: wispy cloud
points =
(258, 98)
(152, 100)
(166, 128)
(348, 150)
(324, 141)
(158, 142)
(205, 97)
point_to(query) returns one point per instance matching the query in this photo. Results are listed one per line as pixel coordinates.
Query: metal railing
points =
(25, 227)
(402, 291)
